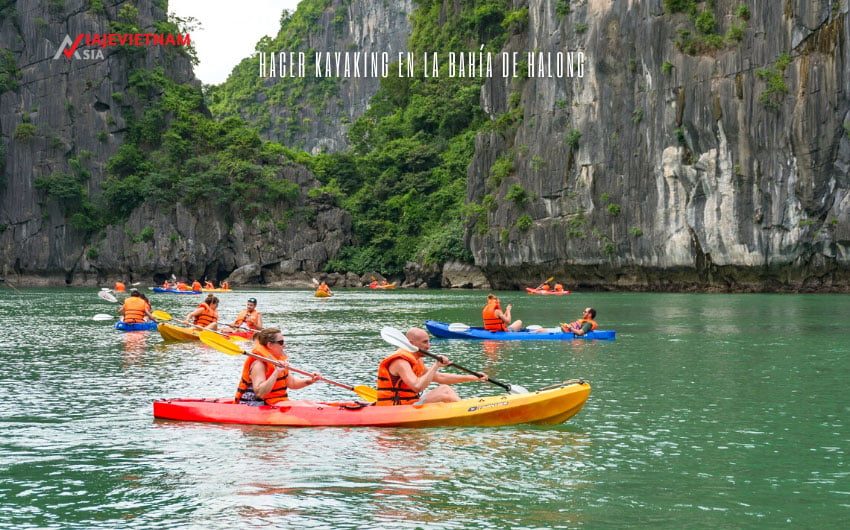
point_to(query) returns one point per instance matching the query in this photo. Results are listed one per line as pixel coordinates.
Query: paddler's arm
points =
(263, 386)
(402, 368)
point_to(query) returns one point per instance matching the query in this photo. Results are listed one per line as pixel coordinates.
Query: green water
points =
(708, 411)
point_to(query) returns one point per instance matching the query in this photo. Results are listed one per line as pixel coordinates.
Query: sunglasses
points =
(281, 342)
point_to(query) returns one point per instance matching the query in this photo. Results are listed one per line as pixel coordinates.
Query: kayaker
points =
(120, 287)
(224, 285)
(402, 377)
(264, 383)
(135, 309)
(497, 320)
(208, 285)
(206, 314)
(324, 287)
(196, 285)
(583, 325)
(250, 316)
(559, 288)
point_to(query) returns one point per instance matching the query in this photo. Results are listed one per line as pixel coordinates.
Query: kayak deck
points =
(172, 332)
(442, 329)
(551, 405)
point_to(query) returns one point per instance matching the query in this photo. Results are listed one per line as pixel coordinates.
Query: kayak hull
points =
(137, 326)
(173, 291)
(546, 406)
(441, 329)
(531, 290)
(387, 286)
(172, 332)
(323, 294)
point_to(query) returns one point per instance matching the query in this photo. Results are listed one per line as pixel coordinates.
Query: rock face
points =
(55, 113)
(343, 27)
(724, 168)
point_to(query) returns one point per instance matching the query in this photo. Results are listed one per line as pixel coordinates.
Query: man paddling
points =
(583, 325)
(402, 377)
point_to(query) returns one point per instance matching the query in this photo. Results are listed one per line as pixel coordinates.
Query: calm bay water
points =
(707, 411)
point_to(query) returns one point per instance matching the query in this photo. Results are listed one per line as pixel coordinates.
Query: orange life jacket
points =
(491, 321)
(196, 285)
(119, 287)
(166, 285)
(545, 287)
(134, 310)
(207, 316)
(392, 390)
(578, 323)
(182, 286)
(559, 287)
(248, 318)
(225, 285)
(209, 285)
(277, 393)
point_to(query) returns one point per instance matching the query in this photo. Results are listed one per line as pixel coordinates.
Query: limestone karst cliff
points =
(67, 106)
(688, 156)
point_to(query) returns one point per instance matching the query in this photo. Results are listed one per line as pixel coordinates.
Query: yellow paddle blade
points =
(161, 315)
(220, 343)
(549, 279)
(366, 392)
(236, 338)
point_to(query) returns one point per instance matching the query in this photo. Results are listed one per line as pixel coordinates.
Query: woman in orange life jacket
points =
(583, 325)
(208, 285)
(136, 308)
(497, 320)
(264, 383)
(250, 316)
(206, 314)
(402, 377)
(196, 285)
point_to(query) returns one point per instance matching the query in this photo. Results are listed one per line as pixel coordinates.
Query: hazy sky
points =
(229, 31)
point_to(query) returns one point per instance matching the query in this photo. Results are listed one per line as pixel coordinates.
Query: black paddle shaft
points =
(467, 370)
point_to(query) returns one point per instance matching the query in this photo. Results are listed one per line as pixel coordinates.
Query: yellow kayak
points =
(323, 294)
(217, 290)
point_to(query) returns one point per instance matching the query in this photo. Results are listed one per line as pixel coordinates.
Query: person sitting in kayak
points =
(497, 320)
(208, 285)
(250, 316)
(196, 285)
(119, 287)
(224, 285)
(264, 383)
(166, 285)
(136, 309)
(402, 377)
(559, 288)
(206, 314)
(323, 287)
(582, 325)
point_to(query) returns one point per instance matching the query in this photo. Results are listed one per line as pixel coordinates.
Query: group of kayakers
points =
(495, 319)
(205, 316)
(195, 285)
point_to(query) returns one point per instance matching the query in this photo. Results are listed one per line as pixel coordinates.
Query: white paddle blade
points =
(457, 327)
(516, 389)
(397, 339)
(533, 327)
(106, 295)
(102, 316)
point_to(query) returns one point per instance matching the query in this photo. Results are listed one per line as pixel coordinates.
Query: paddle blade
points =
(236, 338)
(106, 295)
(397, 339)
(220, 343)
(516, 389)
(161, 315)
(366, 392)
(533, 327)
(102, 316)
(457, 327)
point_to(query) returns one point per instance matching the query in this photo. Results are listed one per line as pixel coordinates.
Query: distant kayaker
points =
(558, 288)
(583, 325)
(120, 287)
(136, 309)
(196, 285)
(206, 314)
(264, 383)
(208, 285)
(324, 288)
(224, 285)
(250, 316)
(497, 320)
(402, 377)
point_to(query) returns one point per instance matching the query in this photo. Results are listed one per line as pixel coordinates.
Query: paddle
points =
(162, 316)
(549, 279)
(106, 295)
(458, 327)
(102, 316)
(397, 338)
(225, 346)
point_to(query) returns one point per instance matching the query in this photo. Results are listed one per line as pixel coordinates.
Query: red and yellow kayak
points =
(172, 332)
(532, 290)
(549, 406)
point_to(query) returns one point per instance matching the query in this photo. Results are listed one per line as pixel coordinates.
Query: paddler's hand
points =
(443, 361)
(481, 377)
(315, 376)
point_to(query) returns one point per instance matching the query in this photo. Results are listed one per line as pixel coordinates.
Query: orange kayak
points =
(550, 405)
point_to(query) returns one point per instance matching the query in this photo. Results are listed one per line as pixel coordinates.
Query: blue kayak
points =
(457, 331)
(174, 291)
(138, 326)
